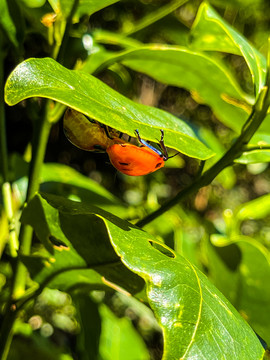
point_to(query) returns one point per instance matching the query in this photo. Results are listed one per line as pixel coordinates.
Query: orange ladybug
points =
(136, 161)
(88, 134)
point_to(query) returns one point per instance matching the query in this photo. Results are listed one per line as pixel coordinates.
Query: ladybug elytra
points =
(136, 161)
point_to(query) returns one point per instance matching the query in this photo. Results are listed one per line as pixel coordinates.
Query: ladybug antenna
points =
(169, 157)
(107, 131)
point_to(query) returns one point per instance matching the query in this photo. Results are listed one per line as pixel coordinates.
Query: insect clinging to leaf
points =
(138, 160)
(127, 158)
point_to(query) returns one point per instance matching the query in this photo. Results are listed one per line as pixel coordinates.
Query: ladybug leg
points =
(138, 136)
(107, 132)
(145, 143)
(163, 147)
(141, 141)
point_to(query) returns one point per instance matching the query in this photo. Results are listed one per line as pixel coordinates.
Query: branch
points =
(253, 122)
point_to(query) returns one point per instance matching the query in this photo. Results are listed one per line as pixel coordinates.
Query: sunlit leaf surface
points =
(87, 94)
(211, 32)
(195, 317)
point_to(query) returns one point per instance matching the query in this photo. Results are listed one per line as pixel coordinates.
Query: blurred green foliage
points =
(199, 68)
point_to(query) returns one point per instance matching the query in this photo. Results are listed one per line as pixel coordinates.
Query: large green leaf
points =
(211, 32)
(247, 284)
(76, 240)
(197, 321)
(209, 80)
(87, 94)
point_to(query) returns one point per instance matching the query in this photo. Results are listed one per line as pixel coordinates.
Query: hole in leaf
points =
(57, 242)
(163, 249)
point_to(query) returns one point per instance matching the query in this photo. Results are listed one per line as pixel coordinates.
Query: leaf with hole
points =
(194, 316)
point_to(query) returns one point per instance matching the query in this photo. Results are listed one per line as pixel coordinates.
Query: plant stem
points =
(62, 49)
(253, 122)
(6, 188)
(25, 237)
(155, 16)
(3, 139)
(8, 206)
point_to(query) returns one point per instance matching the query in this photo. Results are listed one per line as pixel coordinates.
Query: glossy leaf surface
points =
(210, 32)
(195, 317)
(87, 94)
(62, 180)
(208, 79)
(85, 7)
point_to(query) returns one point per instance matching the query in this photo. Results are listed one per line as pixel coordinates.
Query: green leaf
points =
(87, 94)
(62, 180)
(7, 9)
(76, 240)
(210, 32)
(254, 157)
(196, 319)
(182, 67)
(258, 149)
(90, 327)
(33, 3)
(85, 7)
(246, 283)
(237, 3)
(126, 345)
(254, 209)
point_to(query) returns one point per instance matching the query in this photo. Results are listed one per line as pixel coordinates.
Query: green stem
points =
(6, 188)
(252, 124)
(3, 138)
(25, 237)
(8, 206)
(153, 17)
(62, 49)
